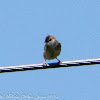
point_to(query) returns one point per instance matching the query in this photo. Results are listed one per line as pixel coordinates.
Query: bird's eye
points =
(49, 39)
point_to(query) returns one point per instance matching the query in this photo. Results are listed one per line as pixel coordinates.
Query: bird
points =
(52, 49)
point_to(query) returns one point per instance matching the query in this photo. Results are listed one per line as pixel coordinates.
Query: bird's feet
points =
(59, 62)
(44, 64)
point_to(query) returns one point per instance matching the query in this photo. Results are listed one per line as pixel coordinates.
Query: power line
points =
(51, 65)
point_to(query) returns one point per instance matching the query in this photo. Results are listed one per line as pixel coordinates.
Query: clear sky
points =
(24, 24)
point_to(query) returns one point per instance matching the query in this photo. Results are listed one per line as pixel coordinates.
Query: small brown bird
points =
(52, 49)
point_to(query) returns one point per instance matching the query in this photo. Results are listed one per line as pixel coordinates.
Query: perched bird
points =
(52, 49)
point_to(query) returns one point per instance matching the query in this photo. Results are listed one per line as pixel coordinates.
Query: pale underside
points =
(52, 50)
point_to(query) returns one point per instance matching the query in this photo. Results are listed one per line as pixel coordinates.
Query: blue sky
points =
(24, 24)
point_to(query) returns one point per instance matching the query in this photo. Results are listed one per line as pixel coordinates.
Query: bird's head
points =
(50, 39)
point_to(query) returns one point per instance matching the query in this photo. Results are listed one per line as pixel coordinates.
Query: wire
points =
(51, 65)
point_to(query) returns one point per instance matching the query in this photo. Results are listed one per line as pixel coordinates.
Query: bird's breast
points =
(51, 51)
